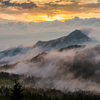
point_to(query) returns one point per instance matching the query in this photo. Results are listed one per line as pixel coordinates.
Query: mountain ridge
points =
(74, 38)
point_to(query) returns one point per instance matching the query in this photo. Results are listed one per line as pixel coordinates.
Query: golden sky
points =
(48, 10)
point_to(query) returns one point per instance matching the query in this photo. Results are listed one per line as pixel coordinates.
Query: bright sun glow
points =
(44, 17)
(59, 17)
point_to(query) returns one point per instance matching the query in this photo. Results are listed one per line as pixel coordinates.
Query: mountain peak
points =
(77, 34)
(74, 38)
(77, 30)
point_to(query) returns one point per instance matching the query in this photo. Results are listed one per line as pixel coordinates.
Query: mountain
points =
(13, 51)
(74, 38)
(72, 47)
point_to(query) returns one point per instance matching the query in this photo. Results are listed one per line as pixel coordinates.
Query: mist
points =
(67, 67)
(68, 70)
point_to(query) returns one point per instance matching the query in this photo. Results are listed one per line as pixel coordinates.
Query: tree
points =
(17, 92)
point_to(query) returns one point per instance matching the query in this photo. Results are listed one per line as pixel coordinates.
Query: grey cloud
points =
(92, 5)
(98, 0)
(87, 31)
(72, 0)
(22, 5)
(64, 70)
(20, 33)
(75, 6)
(78, 0)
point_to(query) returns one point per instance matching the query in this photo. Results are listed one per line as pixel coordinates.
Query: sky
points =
(13, 34)
(48, 10)
(24, 22)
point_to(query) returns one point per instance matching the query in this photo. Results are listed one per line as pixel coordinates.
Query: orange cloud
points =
(45, 17)
(49, 10)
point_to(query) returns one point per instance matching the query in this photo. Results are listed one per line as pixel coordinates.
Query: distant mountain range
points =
(72, 66)
(14, 51)
(74, 38)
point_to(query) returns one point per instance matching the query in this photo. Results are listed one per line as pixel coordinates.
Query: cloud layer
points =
(20, 33)
(74, 69)
(45, 10)
(14, 4)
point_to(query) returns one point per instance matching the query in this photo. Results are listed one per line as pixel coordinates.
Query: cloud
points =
(75, 69)
(13, 34)
(76, 7)
(98, 0)
(46, 10)
(24, 5)
(87, 31)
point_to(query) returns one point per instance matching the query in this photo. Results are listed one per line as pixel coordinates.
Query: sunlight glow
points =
(25, 17)
(44, 17)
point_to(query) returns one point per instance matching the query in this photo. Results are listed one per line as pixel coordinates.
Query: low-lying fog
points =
(70, 69)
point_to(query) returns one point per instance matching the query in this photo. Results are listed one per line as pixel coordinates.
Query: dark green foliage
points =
(26, 92)
(17, 92)
(9, 78)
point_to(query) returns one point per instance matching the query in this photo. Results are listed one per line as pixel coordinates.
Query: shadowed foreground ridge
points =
(19, 92)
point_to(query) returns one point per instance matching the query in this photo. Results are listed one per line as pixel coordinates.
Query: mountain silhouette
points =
(74, 38)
